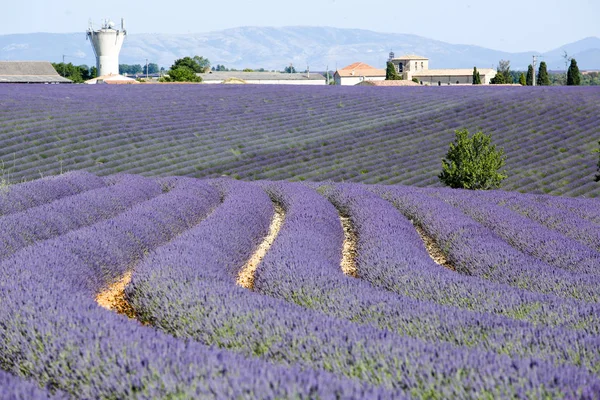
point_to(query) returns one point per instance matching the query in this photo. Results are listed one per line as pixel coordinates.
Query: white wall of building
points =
(353, 80)
(273, 81)
(446, 80)
(487, 78)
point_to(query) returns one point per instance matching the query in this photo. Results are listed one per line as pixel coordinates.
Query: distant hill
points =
(275, 48)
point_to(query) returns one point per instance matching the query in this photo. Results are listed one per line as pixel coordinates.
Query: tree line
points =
(82, 73)
(76, 73)
(126, 69)
(543, 78)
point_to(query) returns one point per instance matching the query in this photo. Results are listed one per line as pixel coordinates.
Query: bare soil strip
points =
(349, 247)
(434, 250)
(113, 298)
(246, 275)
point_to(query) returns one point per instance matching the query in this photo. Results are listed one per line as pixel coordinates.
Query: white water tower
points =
(107, 42)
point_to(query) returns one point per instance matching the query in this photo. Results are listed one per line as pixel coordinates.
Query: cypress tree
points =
(543, 79)
(522, 80)
(529, 78)
(573, 77)
(476, 77)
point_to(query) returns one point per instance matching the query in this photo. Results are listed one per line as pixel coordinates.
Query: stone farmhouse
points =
(412, 66)
(357, 73)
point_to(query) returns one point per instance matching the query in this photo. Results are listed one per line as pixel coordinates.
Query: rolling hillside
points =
(357, 134)
(136, 287)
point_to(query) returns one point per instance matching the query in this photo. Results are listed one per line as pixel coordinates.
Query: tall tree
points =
(197, 64)
(390, 72)
(476, 77)
(181, 74)
(543, 79)
(504, 68)
(203, 63)
(529, 78)
(573, 76)
(522, 79)
(130, 69)
(152, 69)
(76, 73)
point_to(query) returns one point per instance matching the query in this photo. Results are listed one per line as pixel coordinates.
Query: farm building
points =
(29, 72)
(358, 72)
(277, 78)
(387, 83)
(411, 66)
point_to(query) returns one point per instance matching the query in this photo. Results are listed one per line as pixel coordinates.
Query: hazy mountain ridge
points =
(275, 48)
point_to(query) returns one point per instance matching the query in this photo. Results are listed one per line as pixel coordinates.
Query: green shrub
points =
(473, 162)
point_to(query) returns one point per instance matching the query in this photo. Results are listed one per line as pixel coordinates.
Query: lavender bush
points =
(13, 388)
(476, 250)
(403, 328)
(392, 256)
(312, 133)
(73, 212)
(525, 234)
(20, 197)
(57, 335)
(568, 219)
(188, 290)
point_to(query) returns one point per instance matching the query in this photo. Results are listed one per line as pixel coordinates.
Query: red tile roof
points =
(360, 69)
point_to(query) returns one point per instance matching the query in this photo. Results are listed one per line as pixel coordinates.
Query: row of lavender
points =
(52, 331)
(365, 337)
(405, 327)
(315, 133)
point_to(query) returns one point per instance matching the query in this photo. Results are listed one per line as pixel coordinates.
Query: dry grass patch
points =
(434, 250)
(113, 298)
(246, 275)
(349, 248)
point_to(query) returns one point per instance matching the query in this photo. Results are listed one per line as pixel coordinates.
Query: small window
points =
(416, 65)
(422, 65)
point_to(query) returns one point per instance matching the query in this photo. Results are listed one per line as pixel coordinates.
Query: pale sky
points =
(509, 25)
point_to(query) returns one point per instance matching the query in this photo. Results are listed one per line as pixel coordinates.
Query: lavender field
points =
(127, 286)
(351, 134)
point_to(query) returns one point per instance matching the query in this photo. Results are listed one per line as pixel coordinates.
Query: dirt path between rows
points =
(246, 275)
(434, 250)
(349, 248)
(113, 298)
